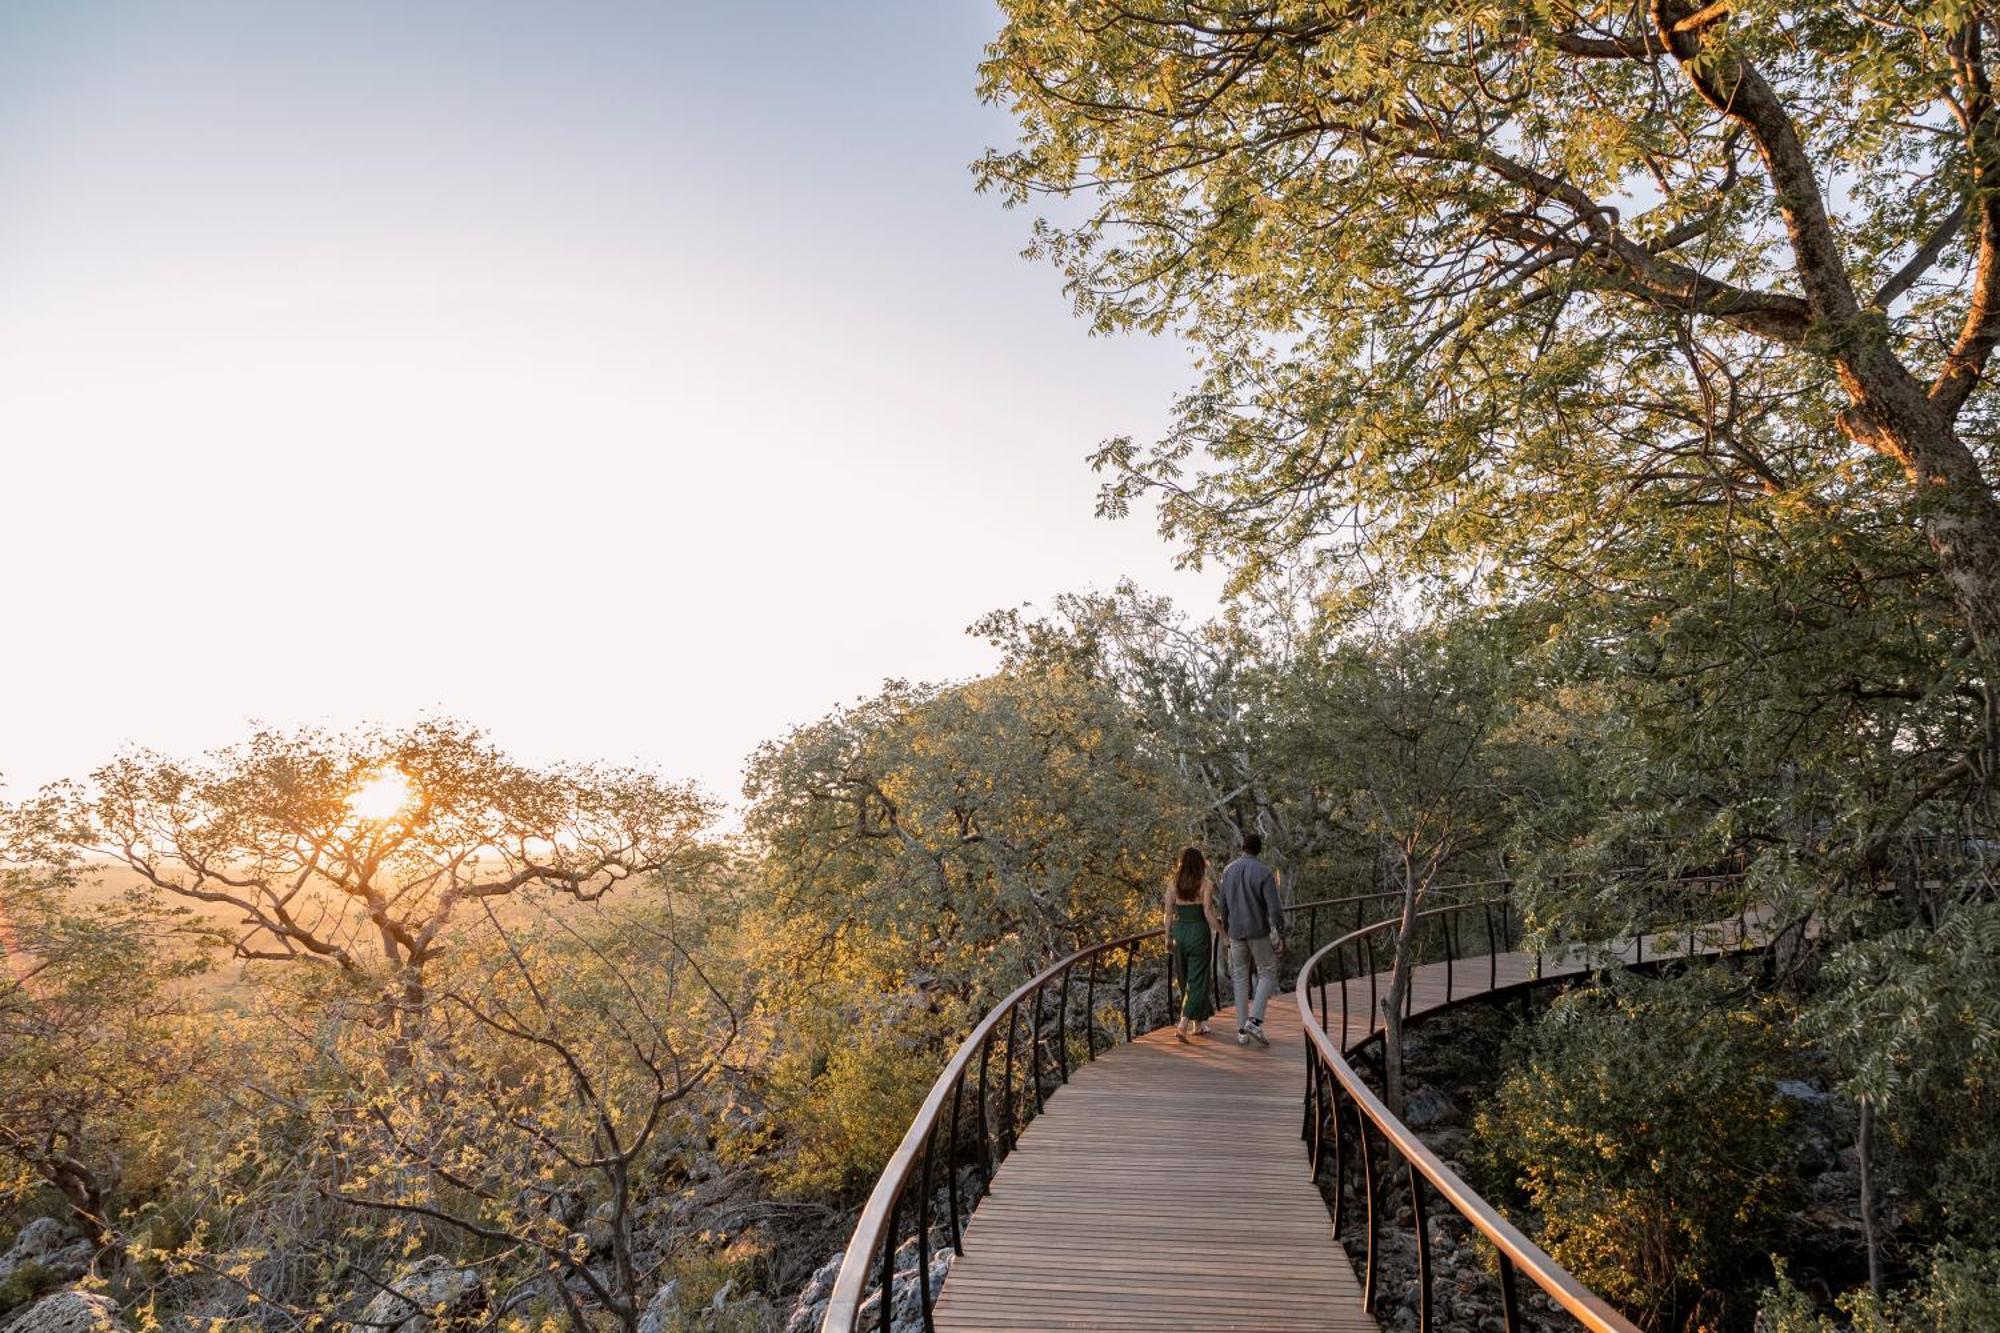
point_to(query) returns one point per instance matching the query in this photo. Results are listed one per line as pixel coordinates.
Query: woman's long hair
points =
(1188, 877)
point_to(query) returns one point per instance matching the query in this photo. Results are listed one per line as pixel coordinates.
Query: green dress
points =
(1191, 945)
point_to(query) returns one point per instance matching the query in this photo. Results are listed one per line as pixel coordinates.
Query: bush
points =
(1960, 1294)
(848, 1088)
(1642, 1120)
(28, 1281)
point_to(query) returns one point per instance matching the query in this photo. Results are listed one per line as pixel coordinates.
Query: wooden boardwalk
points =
(1164, 1188)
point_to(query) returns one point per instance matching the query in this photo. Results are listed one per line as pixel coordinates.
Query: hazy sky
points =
(633, 380)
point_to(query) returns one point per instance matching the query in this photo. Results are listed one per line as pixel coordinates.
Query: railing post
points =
(889, 1267)
(1450, 924)
(1312, 1092)
(1492, 952)
(986, 1155)
(1374, 1214)
(1510, 1303)
(924, 1232)
(1423, 1250)
(1007, 1076)
(1090, 1011)
(1168, 942)
(1339, 1157)
(1130, 949)
(951, 1166)
(1341, 1040)
(1374, 1006)
(1035, 1047)
(1062, 1026)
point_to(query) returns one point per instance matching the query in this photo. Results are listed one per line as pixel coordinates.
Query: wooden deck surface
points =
(1164, 1188)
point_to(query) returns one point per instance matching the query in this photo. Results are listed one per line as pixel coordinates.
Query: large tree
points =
(1482, 287)
(99, 1047)
(968, 833)
(363, 853)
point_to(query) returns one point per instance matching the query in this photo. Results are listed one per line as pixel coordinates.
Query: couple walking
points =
(1246, 908)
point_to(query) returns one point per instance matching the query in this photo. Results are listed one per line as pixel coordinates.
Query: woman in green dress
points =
(1191, 921)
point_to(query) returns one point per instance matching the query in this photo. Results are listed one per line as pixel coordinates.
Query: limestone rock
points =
(810, 1309)
(1426, 1106)
(69, 1311)
(432, 1293)
(51, 1244)
(654, 1318)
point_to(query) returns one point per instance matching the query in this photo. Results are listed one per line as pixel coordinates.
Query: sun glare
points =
(382, 796)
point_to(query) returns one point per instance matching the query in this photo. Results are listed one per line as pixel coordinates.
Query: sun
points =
(381, 797)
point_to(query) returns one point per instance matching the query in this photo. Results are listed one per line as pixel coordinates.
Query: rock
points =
(654, 1318)
(809, 1310)
(431, 1293)
(1426, 1106)
(1800, 1091)
(722, 1296)
(51, 1244)
(906, 1307)
(69, 1311)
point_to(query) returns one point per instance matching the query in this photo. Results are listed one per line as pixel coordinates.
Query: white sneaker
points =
(1256, 1033)
(1242, 1037)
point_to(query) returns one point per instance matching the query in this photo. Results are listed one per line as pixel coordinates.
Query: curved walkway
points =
(1165, 1187)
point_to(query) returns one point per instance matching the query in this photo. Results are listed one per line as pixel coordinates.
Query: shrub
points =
(1959, 1294)
(1642, 1120)
(28, 1281)
(848, 1088)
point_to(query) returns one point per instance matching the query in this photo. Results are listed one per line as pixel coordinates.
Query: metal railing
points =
(1337, 1094)
(1000, 1110)
(1002, 1100)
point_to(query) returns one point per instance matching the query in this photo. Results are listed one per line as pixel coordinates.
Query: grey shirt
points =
(1248, 897)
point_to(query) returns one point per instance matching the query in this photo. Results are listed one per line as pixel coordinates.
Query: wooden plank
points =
(1165, 1188)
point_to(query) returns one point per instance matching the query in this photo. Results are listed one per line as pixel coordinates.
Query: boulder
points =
(654, 1318)
(1799, 1090)
(70, 1311)
(810, 1309)
(432, 1293)
(906, 1300)
(54, 1245)
(1426, 1106)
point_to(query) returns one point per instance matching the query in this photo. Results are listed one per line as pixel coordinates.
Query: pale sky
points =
(635, 381)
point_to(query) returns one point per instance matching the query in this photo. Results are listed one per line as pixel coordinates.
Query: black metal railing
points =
(1350, 972)
(976, 1109)
(1001, 1099)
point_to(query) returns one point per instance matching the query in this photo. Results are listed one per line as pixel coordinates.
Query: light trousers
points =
(1241, 953)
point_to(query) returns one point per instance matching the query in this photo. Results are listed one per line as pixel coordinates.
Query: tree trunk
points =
(408, 1020)
(1960, 518)
(1864, 1151)
(1392, 1002)
(85, 1194)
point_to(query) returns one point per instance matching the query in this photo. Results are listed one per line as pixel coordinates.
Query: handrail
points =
(1516, 1251)
(875, 1229)
(875, 1237)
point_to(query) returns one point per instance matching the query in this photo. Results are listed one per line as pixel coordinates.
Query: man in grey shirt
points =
(1248, 897)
